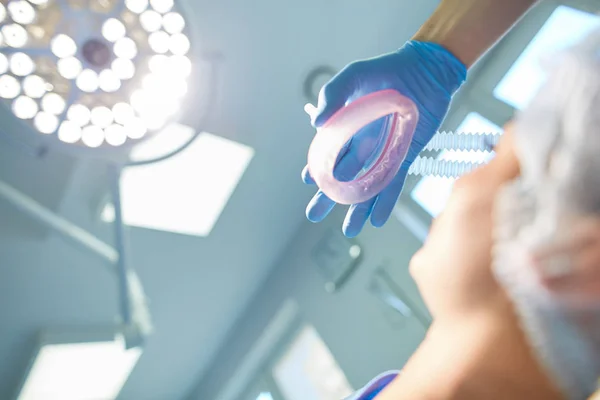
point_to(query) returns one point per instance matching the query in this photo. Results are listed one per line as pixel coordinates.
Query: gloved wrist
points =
(443, 67)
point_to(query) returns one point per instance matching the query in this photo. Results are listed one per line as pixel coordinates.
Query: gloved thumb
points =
(333, 96)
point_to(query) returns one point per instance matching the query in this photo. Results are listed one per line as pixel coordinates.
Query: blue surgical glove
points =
(424, 72)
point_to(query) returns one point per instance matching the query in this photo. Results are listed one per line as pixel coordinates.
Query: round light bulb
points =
(150, 21)
(179, 44)
(159, 42)
(157, 63)
(102, 116)
(21, 12)
(34, 86)
(162, 6)
(2, 12)
(109, 82)
(69, 68)
(3, 64)
(124, 69)
(45, 122)
(115, 135)
(21, 64)
(63, 46)
(113, 30)
(180, 66)
(14, 35)
(92, 136)
(173, 22)
(125, 48)
(53, 103)
(136, 6)
(123, 113)
(135, 128)
(87, 81)
(79, 114)
(24, 107)
(69, 132)
(9, 87)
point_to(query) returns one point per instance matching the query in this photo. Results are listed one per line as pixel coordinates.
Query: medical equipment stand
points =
(133, 306)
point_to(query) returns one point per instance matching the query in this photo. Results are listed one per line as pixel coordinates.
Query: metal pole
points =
(121, 245)
(115, 258)
(59, 224)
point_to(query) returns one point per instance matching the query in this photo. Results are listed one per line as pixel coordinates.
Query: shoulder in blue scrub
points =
(374, 387)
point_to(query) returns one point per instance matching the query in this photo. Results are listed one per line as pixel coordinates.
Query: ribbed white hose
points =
(463, 141)
(442, 168)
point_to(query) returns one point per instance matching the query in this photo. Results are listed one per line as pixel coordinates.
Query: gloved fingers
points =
(357, 216)
(335, 93)
(319, 207)
(386, 200)
(306, 178)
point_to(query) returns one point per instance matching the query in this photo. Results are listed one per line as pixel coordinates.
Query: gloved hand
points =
(424, 72)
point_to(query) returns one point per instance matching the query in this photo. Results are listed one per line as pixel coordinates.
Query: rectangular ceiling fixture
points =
(184, 194)
(565, 27)
(82, 366)
(308, 370)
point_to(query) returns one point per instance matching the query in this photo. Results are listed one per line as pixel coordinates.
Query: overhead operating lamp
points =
(93, 78)
(93, 75)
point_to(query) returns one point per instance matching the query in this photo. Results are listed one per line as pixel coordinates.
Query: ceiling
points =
(197, 286)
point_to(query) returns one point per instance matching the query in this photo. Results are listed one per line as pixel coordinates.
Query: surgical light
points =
(113, 30)
(69, 132)
(9, 87)
(63, 46)
(74, 84)
(25, 107)
(14, 35)
(162, 6)
(173, 22)
(136, 6)
(151, 21)
(21, 12)
(34, 86)
(21, 64)
(69, 68)
(79, 114)
(46, 122)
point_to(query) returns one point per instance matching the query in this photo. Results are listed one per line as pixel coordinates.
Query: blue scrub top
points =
(374, 387)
